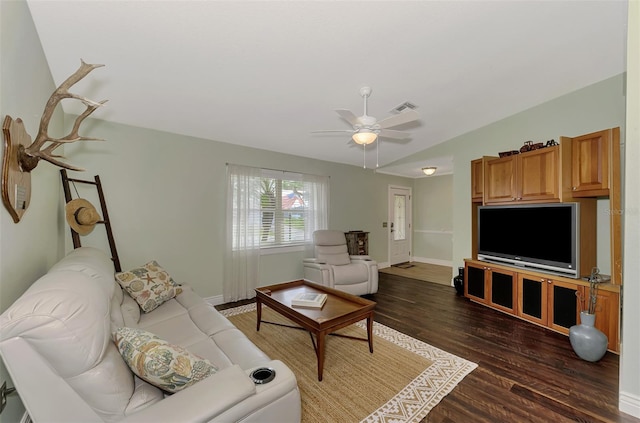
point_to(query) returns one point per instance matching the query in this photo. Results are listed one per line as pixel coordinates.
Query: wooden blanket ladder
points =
(105, 215)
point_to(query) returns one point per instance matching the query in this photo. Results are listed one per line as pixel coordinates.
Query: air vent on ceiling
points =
(407, 105)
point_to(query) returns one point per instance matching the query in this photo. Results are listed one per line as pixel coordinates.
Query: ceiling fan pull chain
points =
(364, 156)
(377, 152)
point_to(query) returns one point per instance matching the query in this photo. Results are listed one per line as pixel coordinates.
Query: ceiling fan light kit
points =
(364, 137)
(429, 170)
(366, 129)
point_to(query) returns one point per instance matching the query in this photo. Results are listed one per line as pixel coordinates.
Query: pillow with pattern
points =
(169, 367)
(150, 285)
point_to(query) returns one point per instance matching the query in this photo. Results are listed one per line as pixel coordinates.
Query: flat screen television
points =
(543, 237)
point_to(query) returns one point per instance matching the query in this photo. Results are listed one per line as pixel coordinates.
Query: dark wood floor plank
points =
(526, 373)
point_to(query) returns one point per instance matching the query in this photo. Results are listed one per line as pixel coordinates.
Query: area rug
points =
(401, 381)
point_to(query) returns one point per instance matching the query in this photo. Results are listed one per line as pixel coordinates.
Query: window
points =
(286, 208)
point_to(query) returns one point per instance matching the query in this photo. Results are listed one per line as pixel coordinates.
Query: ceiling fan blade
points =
(332, 130)
(348, 116)
(390, 133)
(399, 119)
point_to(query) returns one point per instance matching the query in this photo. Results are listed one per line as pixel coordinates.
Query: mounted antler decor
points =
(21, 155)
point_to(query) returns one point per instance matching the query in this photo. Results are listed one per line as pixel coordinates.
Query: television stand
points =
(551, 301)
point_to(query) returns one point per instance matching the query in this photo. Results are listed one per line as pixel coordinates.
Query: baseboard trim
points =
(437, 262)
(215, 300)
(629, 403)
(26, 418)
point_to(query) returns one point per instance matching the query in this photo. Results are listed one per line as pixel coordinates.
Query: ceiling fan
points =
(367, 129)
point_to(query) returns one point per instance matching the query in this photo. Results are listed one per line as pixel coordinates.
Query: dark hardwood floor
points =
(525, 373)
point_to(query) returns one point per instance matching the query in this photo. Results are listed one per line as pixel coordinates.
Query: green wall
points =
(165, 192)
(596, 107)
(29, 248)
(166, 196)
(432, 220)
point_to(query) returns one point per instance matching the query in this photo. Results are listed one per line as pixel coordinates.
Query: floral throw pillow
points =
(169, 367)
(150, 285)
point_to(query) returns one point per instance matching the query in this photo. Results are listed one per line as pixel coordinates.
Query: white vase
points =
(586, 340)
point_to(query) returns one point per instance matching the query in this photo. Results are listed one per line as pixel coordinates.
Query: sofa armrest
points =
(201, 401)
(365, 258)
(313, 261)
(42, 390)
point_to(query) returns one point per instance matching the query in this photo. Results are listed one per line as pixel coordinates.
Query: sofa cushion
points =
(335, 255)
(167, 366)
(150, 285)
(65, 319)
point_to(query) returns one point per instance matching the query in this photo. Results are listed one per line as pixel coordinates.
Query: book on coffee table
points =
(309, 299)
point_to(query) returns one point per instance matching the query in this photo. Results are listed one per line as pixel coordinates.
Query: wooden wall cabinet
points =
(549, 301)
(495, 287)
(607, 314)
(595, 171)
(475, 287)
(563, 305)
(591, 164)
(581, 169)
(533, 176)
(477, 178)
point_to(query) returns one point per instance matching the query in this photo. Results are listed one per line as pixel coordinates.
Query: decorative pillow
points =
(169, 367)
(150, 285)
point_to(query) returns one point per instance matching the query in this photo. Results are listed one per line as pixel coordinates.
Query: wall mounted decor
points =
(21, 155)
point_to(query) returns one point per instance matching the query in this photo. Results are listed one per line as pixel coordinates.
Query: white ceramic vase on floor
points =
(587, 341)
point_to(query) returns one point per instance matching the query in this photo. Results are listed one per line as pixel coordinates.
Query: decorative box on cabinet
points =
(533, 176)
(357, 243)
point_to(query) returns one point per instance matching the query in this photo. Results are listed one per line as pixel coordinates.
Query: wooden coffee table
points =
(340, 310)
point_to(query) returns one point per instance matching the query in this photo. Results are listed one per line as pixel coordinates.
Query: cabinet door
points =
(532, 298)
(590, 164)
(477, 181)
(475, 287)
(499, 175)
(502, 289)
(538, 175)
(607, 315)
(563, 305)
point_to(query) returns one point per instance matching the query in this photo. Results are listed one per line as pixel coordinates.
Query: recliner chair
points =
(335, 268)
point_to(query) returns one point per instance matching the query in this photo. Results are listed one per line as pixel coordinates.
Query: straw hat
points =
(81, 215)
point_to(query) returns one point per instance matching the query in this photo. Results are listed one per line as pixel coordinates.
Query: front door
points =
(399, 225)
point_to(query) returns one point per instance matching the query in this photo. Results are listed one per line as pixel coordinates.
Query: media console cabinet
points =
(581, 169)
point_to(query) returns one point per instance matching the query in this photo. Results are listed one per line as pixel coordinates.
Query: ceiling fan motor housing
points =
(365, 91)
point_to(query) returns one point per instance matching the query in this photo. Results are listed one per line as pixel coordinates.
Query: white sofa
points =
(56, 343)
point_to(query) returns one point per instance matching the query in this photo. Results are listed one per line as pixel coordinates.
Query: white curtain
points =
(242, 258)
(317, 189)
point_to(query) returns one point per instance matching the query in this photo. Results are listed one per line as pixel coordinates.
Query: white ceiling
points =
(266, 73)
